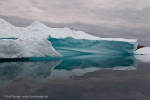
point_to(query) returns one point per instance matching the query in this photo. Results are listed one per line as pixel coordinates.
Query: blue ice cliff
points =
(38, 40)
(72, 47)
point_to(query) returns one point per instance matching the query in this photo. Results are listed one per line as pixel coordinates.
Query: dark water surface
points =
(78, 78)
(144, 43)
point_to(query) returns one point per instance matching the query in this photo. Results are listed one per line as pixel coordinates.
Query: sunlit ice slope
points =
(26, 48)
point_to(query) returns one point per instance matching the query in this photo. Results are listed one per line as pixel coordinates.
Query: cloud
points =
(64, 11)
(104, 18)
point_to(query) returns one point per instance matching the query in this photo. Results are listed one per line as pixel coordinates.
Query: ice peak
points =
(2, 21)
(66, 28)
(5, 24)
(37, 24)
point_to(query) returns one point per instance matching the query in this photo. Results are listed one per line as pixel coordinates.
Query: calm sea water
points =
(80, 78)
(144, 43)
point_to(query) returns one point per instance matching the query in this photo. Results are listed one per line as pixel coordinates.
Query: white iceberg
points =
(67, 42)
(39, 30)
(26, 48)
(142, 54)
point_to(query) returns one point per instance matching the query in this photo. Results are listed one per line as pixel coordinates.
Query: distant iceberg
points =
(64, 41)
(143, 54)
(143, 51)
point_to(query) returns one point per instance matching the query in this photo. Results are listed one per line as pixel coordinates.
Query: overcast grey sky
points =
(104, 18)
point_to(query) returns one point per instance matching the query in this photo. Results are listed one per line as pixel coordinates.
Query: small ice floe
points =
(143, 51)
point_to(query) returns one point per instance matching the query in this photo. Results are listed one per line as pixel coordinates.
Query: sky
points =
(104, 18)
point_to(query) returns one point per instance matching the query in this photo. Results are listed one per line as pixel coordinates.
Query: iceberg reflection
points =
(78, 66)
(38, 71)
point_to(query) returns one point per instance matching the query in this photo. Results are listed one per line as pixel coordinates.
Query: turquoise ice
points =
(73, 47)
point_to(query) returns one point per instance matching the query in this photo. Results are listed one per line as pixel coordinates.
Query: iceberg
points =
(143, 51)
(143, 54)
(65, 42)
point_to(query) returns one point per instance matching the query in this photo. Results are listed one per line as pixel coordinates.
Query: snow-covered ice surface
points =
(39, 30)
(67, 42)
(143, 51)
(26, 48)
